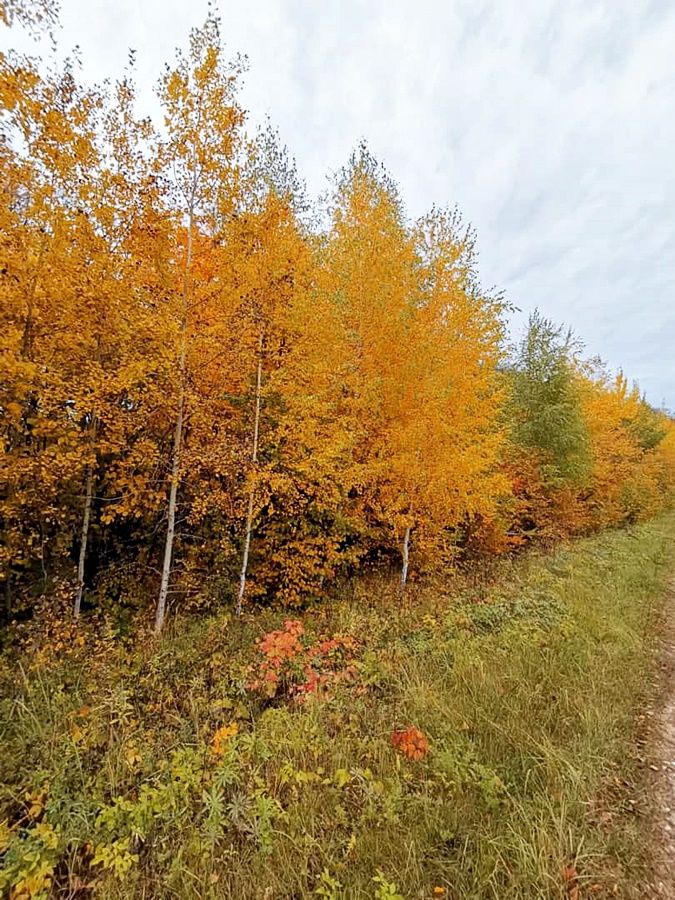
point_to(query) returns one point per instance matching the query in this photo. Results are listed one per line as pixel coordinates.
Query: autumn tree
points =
(459, 396)
(625, 434)
(199, 166)
(271, 269)
(370, 274)
(293, 391)
(47, 282)
(422, 344)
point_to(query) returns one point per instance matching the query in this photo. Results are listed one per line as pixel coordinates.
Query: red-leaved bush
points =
(411, 742)
(291, 663)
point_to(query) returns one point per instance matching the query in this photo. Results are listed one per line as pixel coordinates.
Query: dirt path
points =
(661, 759)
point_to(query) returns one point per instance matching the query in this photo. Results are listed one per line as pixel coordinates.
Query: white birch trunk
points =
(84, 538)
(254, 457)
(406, 557)
(171, 525)
(177, 435)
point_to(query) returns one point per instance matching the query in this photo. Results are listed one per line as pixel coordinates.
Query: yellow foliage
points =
(182, 356)
(221, 738)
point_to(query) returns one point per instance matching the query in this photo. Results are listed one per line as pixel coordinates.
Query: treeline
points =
(210, 391)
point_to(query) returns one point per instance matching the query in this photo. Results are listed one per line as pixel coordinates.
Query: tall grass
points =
(527, 688)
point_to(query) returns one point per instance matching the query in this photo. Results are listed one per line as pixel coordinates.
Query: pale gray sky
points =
(551, 123)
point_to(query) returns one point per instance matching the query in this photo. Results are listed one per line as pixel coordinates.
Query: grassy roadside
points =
(176, 770)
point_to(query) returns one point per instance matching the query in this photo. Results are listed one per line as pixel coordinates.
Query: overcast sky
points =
(551, 123)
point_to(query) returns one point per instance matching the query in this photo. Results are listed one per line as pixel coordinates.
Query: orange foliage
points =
(300, 668)
(182, 355)
(411, 742)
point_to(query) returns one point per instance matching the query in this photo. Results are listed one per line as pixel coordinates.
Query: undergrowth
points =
(466, 742)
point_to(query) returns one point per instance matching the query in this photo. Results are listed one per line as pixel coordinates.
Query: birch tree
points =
(199, 165)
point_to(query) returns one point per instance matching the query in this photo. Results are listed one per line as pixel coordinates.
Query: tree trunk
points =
(178, 430)
(84, 539)
(254, 457)
(406, 558)
(173, 494)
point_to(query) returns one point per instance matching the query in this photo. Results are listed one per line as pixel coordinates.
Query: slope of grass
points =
(179, 769)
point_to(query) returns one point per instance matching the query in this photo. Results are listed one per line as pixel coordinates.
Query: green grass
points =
(527, 687)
